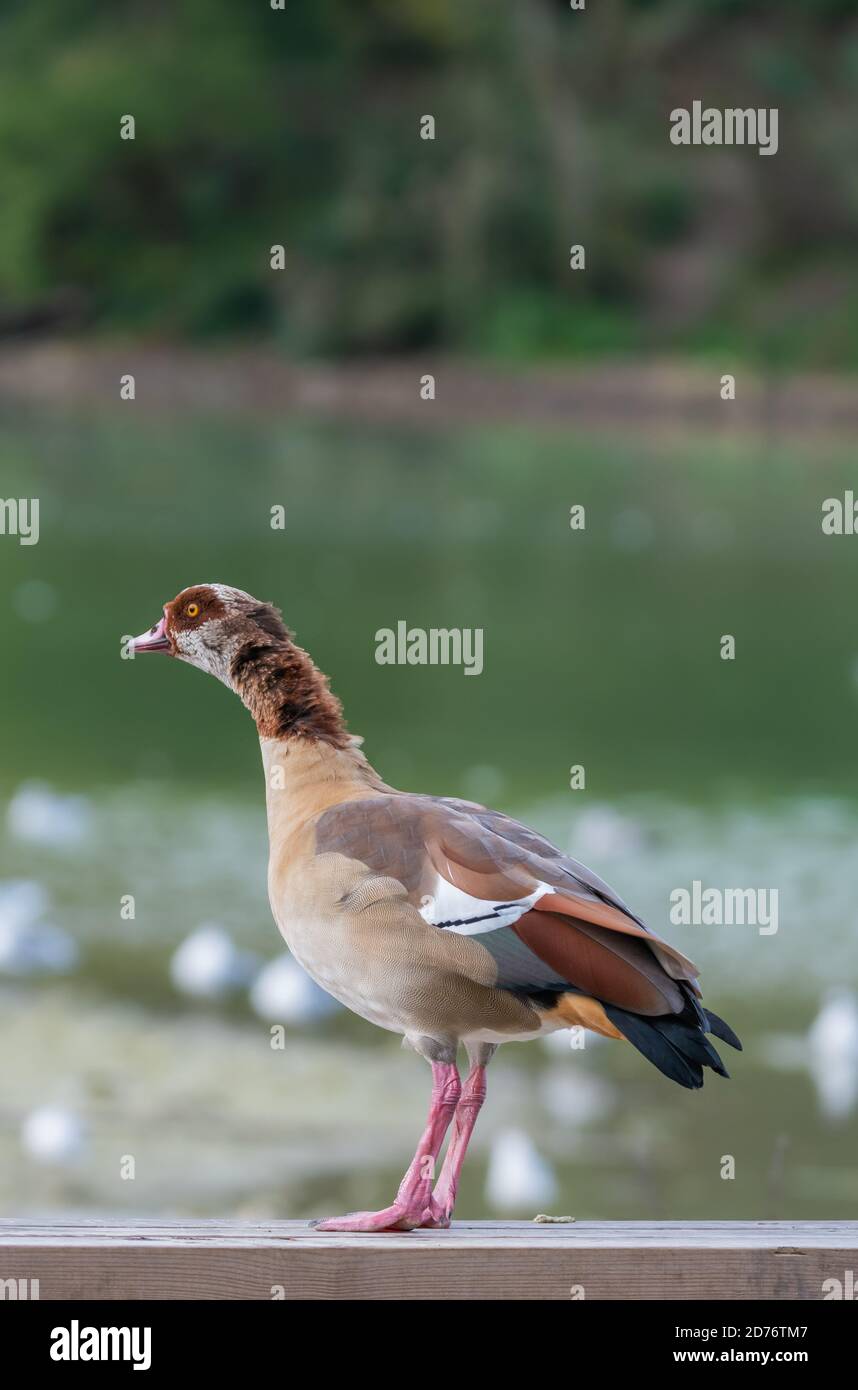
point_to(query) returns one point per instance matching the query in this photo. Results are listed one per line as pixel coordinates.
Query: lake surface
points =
(601, 649)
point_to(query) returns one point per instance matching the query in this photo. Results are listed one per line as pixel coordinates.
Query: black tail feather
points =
(657, 1047)
(676, 1043)
(691, 1042)
(719, 1029)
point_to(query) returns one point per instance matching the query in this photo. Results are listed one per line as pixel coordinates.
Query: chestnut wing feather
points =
(579, 935)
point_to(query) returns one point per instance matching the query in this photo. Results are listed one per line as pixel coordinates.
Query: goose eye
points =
(192, 610)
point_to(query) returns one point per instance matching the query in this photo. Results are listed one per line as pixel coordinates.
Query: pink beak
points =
(155, 640)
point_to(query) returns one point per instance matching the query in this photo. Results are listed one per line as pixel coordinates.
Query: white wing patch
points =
(458, 911)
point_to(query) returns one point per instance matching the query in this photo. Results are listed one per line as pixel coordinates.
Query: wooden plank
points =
(88, 1259)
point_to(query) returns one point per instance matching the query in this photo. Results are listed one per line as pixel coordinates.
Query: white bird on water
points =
(29, 946)
(284, 993)
(42, 816)
(828, 1053)
(54, 1136)
(833, 1053)
(208, 964)
(518, 1176)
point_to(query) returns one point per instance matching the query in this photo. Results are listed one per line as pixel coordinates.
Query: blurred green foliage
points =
(256, 126)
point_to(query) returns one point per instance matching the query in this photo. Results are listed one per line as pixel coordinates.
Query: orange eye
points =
(192, 610)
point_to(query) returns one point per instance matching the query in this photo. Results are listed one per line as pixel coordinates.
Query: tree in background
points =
(256, 126)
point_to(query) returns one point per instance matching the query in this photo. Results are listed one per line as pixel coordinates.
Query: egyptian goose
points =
(432, 917)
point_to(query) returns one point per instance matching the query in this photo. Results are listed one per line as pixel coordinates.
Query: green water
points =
(601, 649)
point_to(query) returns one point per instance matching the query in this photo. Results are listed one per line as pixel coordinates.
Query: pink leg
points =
(470, 1104)
(413, 1201)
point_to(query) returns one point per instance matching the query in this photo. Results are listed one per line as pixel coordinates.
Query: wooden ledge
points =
(148, 1259)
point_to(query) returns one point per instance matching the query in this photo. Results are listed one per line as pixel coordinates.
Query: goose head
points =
(244, 643)
(208, 625)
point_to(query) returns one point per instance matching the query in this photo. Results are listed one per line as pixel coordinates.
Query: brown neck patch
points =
(285, 692)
